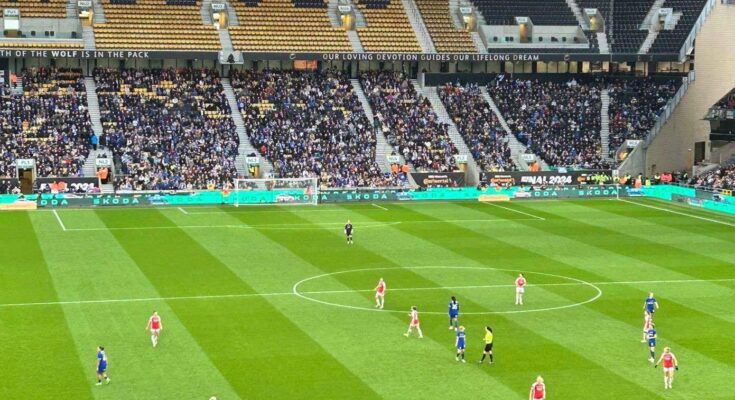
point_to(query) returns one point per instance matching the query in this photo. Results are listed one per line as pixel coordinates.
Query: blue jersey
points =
(102, 361)
(651, 335)
(460, 339)
(453, 309)
(650, 304)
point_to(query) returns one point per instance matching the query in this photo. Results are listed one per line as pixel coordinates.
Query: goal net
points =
(275, 191)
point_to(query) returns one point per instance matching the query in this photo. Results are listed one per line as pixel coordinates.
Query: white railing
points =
(689, 42)
(669, 110)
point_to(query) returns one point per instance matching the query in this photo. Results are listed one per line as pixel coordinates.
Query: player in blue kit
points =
(650, 305)
(460, 343)
(453, 313)
(651, 335)
(101, 366)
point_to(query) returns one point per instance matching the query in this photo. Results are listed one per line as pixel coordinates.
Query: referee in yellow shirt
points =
(488, 345)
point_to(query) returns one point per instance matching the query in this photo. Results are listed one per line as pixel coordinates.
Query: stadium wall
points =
(673, 147)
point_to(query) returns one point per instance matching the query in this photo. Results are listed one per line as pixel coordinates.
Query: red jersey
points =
(520, 282)
(155, 322)
(381, 288)
(668, 360)
(539, 390)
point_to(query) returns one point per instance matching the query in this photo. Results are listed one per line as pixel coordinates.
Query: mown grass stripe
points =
(602, 238)
(38, 357)
(231, 331)
(82, 268)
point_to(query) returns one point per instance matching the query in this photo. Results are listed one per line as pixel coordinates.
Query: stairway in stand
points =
(245, 148)
(605, 125)
(473, 170)
(517, 149)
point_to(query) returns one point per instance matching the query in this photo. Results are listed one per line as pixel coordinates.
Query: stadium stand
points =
(558, 121)
(38, 8)
(388, 28)
(635, 106)
(286, 25)
(409, 122)
(155, 25)
(478, 126)
(76, 45)
(168, 129)
(671, 40)
(445, 36)
(49, 121)
(627, 37)
(541, 12)
(310, 124)
(721, 178)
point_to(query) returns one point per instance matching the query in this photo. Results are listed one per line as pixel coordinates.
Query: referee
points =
(488, 345)
(348, 231)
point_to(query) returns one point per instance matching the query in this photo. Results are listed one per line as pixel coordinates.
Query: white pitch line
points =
(380, 207)
(246, 295)
(517, 211)
(61, 223)
(183, 211)
(678, 213)
(304, 226)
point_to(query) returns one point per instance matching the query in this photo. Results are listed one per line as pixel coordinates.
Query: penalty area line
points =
(380, 207)
(516, 211)
(61, 223)
(274, 294)
(678, 212)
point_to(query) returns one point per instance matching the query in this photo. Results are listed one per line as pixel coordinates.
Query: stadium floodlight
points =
(276, 191)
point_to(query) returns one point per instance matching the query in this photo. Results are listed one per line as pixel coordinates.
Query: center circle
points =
(559, 281)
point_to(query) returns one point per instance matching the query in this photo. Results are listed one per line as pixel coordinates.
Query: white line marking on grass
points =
(61, 223)
(302, 226)
(517, 211)
(380, 207)
(183, 211)
(247, 295)
(295, 290)
(678, 212)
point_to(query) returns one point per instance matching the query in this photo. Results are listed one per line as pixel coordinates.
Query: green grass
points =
(223, 280)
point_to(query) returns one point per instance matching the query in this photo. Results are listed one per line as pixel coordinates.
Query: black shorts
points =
(488, 347)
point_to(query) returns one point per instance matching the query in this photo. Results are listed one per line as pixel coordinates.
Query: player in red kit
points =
(520, 289)
(647, 322)
(668, 359)
(155, 326)
(380, 294)
(538, 390)
(414, 323)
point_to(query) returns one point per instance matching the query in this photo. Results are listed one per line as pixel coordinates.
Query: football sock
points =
(491, 358)
(483, 357)
(653, 355)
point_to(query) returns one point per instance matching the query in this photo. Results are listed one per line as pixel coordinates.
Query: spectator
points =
(409, 122)
(479, 127)
(718, 179)
(168, 129)
(310, 124)
(49, 122)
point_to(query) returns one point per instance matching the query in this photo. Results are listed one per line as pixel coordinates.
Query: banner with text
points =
(439, 179)
(549, 178)
(65, 185)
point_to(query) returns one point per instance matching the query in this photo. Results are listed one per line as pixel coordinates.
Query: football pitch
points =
(271, 303)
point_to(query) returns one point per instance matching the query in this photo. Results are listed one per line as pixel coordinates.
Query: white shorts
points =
(155, 331)
(379, 294)
(668, 369)
(520, 290)
(414, 324)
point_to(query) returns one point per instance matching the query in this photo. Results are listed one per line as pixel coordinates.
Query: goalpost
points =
(282, 191)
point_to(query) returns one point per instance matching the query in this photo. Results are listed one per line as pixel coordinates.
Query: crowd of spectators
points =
(310, 124)
(9, 186)
(559, 121)
(409, 122)
(635, 106)
(168, 129)
(478, 125)
(720, 178)
(48, 122)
